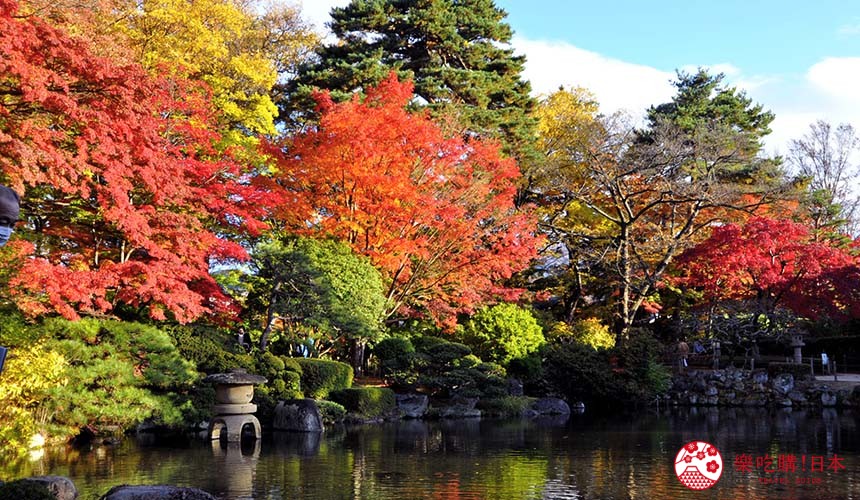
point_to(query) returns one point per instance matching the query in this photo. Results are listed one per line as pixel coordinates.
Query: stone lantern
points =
(233, 408)
(797, 343)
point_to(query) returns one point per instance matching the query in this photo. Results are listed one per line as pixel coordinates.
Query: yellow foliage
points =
(28, 375)
(589, 331)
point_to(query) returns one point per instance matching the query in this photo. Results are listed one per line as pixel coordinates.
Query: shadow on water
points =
(586, 456)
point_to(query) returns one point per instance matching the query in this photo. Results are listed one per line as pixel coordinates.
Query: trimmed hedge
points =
(366, 401)
(332, 413)
(321, 376)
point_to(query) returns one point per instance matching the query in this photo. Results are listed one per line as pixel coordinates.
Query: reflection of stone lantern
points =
(233, 408)
(797, 343)
(235, 468)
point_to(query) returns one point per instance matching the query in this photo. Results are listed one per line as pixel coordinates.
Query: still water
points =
(586, 456)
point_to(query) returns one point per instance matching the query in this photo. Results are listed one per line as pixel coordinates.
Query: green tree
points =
(501, 333)
(456, 52)
(321, 284)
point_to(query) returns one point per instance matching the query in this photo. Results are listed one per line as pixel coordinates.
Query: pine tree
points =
(455, 51)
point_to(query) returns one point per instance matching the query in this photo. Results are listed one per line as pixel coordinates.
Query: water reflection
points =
(234, 467)
(609, 456)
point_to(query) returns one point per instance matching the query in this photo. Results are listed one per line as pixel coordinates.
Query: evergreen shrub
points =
(366, 401)
(321, 376)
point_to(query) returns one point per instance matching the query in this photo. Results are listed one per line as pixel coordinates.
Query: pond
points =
(765, 454)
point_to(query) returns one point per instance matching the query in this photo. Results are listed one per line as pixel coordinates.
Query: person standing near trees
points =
(683, 352)
(10, 206)
(9, 211)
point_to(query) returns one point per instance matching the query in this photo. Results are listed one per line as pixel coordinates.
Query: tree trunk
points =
(270, 317)
(356, 355)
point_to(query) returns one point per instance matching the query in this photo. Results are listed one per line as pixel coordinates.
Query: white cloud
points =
(618, 85)
(838, 77)
(828, 90)
(317, 11)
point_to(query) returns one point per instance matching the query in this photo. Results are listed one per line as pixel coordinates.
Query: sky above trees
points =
(799, 59)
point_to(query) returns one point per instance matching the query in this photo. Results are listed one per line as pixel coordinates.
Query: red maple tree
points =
(778, 264)
(436, 214)
(123, 187)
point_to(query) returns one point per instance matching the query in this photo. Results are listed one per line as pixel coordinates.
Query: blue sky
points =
(800, 59)
(753, 35)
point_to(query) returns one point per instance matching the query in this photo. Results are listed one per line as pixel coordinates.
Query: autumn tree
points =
(123, 189)
(643, 196)
(826, 157)
(435, 214)
(238, 48)
(568, 125)
(457, 52)
(770, 265)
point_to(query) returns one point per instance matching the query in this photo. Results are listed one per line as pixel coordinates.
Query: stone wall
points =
(736, 387)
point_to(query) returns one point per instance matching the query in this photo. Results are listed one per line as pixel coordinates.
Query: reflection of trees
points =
(614, 456)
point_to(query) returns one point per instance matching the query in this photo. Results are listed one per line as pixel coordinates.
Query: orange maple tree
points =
(434, 213)
(126, 198)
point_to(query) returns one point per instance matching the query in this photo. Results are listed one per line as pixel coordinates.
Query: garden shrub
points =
(624, 374)
(593, 333)
(505, 406)
(527, 368)
(366, 401)
(582, 374)
(658, 377)
(321, 376)
(209, 349)
(331, 413)
(439, 367)
(501, 333)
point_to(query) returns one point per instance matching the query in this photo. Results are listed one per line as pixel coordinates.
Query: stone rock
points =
(412, 405)
(300, 415)
(692, 399)
(468, 403)
(530, 413)
(785, 402)
(828, 399)
(759, 377)
(126, 492)
(797, 397)
(551, 406)
(459, 411)
(579, 407)
(515, 387)
(711, 391)
(754, 401)
(61, 487)
(783, 383)
(712, 401)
